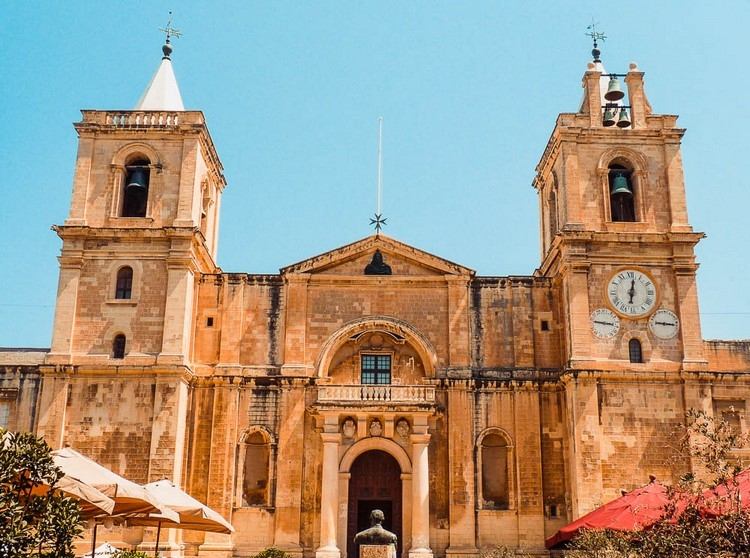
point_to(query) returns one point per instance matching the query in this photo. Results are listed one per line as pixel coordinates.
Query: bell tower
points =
(615, 235)
(143, 223)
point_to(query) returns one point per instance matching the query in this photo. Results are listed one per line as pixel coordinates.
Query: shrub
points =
(271, 552)
(30, 524)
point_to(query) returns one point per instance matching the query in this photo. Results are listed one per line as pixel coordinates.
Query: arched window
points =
(552, 215)
(124, 285)
(634, 348)
(621, 193)
(495, 473)
(118, 346)
(135, 195)
(255, 451)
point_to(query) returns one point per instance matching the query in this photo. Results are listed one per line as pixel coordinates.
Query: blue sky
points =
(292, 91)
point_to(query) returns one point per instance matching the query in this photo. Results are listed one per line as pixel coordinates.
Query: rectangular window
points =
(376, 369)
(730, 411)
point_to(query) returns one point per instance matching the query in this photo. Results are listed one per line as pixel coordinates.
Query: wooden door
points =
(375, 483)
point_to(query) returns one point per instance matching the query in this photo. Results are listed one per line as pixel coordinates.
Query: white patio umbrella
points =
(193, 515)
(129, 497)
(104, 551)
(91, 501)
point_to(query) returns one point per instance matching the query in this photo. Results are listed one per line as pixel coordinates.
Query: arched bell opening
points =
(135, 190)
(621, 192)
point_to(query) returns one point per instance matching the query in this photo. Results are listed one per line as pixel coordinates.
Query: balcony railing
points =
(376, 394)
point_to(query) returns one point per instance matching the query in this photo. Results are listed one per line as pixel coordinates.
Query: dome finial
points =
(596, 36)
(169, 31)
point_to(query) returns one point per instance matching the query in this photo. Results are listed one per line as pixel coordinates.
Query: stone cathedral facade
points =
(473, 410)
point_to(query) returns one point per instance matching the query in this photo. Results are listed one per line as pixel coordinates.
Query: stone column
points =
(420, 518)
(329, 496)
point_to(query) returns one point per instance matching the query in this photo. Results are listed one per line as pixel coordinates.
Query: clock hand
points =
(603, 323)
(631, 291)
(665, 323)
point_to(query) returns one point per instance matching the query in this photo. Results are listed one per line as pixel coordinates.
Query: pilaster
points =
(296, 322)
(178, 313)
(461, 467)
(289, 468)
(65, 308)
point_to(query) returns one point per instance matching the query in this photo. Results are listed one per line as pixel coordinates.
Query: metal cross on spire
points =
(169, 30)
(596, 36)
(378, 220)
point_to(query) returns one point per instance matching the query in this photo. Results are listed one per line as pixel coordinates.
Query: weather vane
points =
(596, 36)
(169, 30)
(378, 220)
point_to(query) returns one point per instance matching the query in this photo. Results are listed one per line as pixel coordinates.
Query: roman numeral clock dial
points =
(632, 293)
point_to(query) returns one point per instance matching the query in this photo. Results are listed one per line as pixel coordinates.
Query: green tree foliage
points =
(271, 552)
(687, 529)
(33, 525)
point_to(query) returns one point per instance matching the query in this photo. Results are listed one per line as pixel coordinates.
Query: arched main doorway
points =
(375, 483)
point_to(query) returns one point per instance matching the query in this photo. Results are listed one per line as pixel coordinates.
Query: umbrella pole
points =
(158, 533)
(93, 541)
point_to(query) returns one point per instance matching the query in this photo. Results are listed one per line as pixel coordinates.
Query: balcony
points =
(376, 395)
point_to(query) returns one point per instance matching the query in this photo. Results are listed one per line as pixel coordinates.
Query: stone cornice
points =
(180, 372)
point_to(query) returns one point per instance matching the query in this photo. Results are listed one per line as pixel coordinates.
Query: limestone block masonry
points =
(474, 411)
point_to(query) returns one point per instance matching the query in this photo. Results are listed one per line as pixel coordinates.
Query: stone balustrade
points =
(376, 394)
(143, 119)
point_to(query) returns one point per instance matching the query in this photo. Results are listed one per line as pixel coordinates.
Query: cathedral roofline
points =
(369, 243)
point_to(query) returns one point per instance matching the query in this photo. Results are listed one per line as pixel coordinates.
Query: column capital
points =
(330, 437)
(421, 439)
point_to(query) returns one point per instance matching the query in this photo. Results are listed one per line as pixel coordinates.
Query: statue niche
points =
(377, 266)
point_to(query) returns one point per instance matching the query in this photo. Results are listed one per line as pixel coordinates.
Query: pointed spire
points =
(162, 92)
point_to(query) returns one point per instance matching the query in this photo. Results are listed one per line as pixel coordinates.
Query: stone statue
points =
(377, 266)
(375, 535)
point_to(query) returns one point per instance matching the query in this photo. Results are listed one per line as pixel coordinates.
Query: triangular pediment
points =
(404, 260)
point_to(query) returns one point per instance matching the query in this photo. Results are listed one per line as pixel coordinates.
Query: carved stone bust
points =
(376, 429)
(375, 534)
(402, 428)
(349, 428)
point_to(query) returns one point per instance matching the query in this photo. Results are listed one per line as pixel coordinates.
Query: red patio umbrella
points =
(731, 495)
(637, 509)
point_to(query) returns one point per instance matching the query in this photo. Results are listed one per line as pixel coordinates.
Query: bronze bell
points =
(624, 120)
(137, 179)
(614, 93)
(620, 185)
(609, 116)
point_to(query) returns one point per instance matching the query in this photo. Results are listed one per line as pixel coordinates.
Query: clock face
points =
(664, 324)
(604, 323)
(632, 293)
